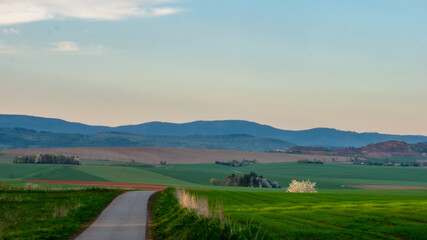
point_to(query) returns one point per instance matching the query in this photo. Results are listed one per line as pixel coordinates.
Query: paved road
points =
(124, 219)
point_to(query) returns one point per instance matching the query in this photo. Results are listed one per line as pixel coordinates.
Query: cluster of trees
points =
(236, 163)
(389, 163)
(247, 180)
(310, 161)
(47, 159)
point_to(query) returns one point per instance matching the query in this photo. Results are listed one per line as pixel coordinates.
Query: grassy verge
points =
(171, 221)
(48, 214)
(325, 215)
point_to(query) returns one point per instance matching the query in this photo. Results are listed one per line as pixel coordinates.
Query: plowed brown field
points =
(170, 155)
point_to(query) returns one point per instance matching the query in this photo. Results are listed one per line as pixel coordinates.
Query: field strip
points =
(140, 186)
(381, 216)
(387, 187)
(311, 220)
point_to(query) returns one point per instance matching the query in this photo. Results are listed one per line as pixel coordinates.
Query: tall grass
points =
(181, 215)
(198, 204)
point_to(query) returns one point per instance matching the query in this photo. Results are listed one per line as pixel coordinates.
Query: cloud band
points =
(24, 11)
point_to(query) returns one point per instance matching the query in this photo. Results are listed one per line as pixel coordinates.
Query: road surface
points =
(124, 219)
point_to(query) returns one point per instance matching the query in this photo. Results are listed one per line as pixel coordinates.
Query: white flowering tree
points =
(302, 187)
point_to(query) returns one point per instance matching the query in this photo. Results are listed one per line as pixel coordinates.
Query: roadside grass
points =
(326, 216)
(172, 221)
(49, 214)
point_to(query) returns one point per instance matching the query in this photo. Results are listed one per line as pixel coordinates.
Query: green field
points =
(327, 176)
(45, 214)
(337, 212)
(21, 171)
(326, 216)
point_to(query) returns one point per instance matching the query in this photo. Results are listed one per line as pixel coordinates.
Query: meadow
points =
(324, 215)
(336, 212)
(49, 214)
(329, 177)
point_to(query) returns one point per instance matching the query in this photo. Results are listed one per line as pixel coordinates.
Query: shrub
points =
(31, 186)
(248, 180)
(302, 187)
(215, 181)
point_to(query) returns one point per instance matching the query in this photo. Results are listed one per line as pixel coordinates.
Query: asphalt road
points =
(124, 219)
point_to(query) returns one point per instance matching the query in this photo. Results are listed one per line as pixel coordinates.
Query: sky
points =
(357, 65)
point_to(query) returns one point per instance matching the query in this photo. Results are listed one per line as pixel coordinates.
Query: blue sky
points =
(352, 65)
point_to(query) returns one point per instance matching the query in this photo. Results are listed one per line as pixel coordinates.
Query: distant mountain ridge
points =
(312, 137)
(13, 138)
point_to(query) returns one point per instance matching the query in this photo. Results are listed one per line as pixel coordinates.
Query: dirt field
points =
(171, 155)
(385, 187)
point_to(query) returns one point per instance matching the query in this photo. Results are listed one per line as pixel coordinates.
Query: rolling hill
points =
(389, 149)
(312, 137)
(24, 138)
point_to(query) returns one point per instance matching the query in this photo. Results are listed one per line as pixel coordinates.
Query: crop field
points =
(48, 214)
(327, 176)
(20, 171)
(325, 216)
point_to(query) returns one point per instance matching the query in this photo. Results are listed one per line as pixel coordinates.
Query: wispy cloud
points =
(65, 46)
(73, 47)
(6, 49)
(11, 31)
(24, 11)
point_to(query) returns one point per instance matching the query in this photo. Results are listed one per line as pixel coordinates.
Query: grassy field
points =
(21, 171)
(327, 176)
(44, 214)
(326, 216)
(337, 212)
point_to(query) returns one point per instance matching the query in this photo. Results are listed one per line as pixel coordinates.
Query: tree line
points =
(47, 159)
(236, 163)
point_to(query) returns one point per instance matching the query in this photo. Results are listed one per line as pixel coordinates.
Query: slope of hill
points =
(171, 155)
(23, 138)
(311, 137)
(48, 124)
(387, 149)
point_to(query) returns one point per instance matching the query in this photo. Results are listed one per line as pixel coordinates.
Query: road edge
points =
(87, 225)
(148, 234)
